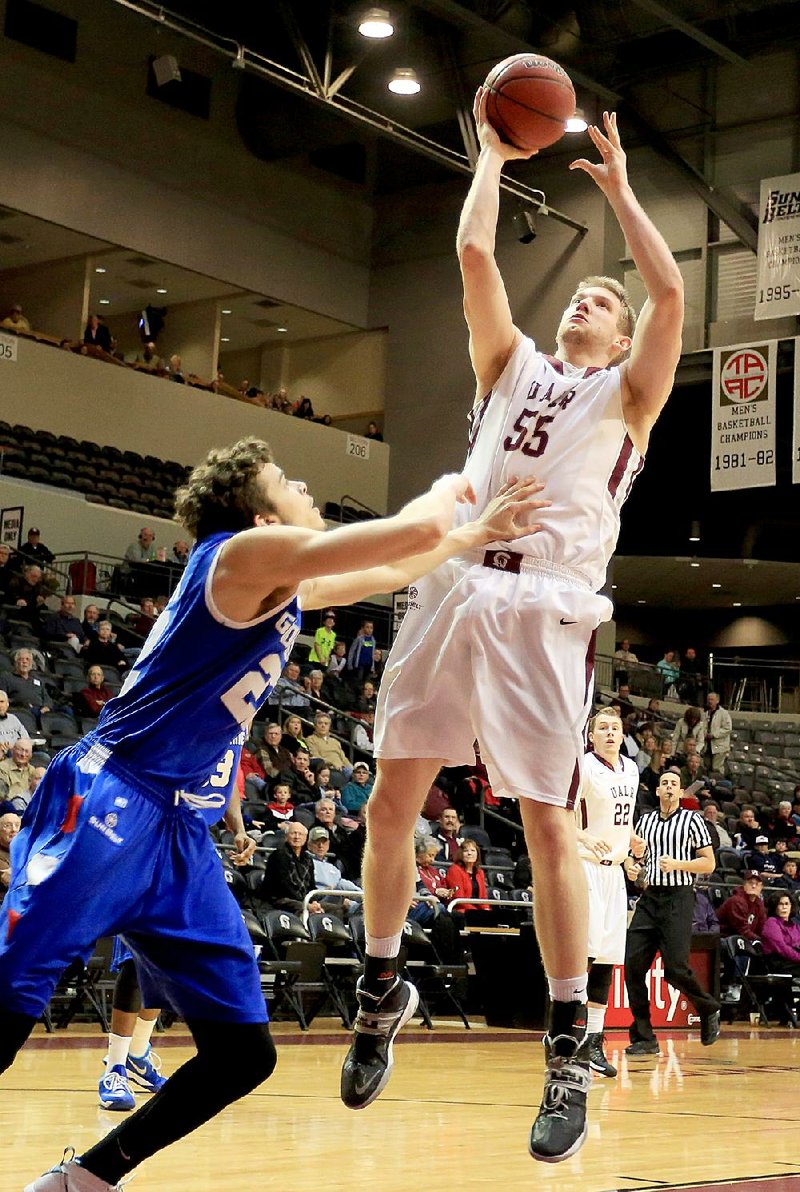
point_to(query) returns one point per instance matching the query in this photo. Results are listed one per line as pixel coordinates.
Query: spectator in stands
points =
(669, 669)
(175, 371)
(7, 571)
(329, 876)
(15, 777)
(91, 619)
(304, 408)
(372, 432)
(64, 626)
(143, 621)
(361, 736)
(431, 878)
(358, 790)
(301, 776)
(466, 875)
(781, 826)
(375, 672)
(747, 829)
(293, 735)
(325, 812)
(624, 655)
(161, 603)
(314, 684)
(704, 918)
(28, 593)
(759, 859)
(36, 777)
(651, 775)
(104, 650)
(691, 680)
(24, 689)
(10, 824)
(15, 320)
(692, 771)
(337, 661)
(180, 553)
(289, 873)
(279, 811)
(324, 640)
(143, 550)
(447, 834)
(35, 551)
(149, 359)
(715, 826)
(289, 691)
(523, 873)
(781, 935)
(368, 698)
(11, 727)
(744, 912)
(272, 755)
(778, 855)
(648, 747)
(322, 744)
(97, 334)
(92, 698)
(788, 878)
(691, 725)
(359, 656)
(718, 733)
(630, 742)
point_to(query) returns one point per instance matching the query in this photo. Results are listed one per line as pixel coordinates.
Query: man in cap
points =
(328, 876)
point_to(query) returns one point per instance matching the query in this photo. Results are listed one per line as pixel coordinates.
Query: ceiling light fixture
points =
(694, 564)
(161, 290)
(104, 301)
(720, 585)
(737, 604)
(404, 81)
(376, 24)
(100, 269)
(225, 339)
(227, 312)
(641, 602)
(577, 122)
(281, 328)
(694, 532)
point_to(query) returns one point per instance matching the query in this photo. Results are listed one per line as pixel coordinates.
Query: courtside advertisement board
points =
(743, 416)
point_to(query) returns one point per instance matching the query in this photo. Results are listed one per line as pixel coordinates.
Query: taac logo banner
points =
(743, 441)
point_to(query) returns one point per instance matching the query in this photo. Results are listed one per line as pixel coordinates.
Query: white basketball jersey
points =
(563, 425)
(605, 804)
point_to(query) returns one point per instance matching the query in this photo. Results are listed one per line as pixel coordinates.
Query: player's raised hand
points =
(488, 137)
(611, 173)
(507, 516)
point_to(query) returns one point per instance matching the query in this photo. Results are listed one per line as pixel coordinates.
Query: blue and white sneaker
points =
(115, 1092)
(145, 1071)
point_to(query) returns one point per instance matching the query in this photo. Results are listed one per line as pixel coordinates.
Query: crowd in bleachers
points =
(99, 343)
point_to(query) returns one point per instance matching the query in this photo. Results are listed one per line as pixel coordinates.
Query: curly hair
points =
(224, 493)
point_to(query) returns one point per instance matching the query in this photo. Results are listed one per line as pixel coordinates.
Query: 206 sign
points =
(357, 448)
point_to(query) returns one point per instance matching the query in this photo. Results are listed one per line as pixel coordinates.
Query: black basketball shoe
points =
(368, 1063)
(560, 1128)
(597, 1056)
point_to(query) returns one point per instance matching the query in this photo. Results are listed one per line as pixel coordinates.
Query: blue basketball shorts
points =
(98, 854)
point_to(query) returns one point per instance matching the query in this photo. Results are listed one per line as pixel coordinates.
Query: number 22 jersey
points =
(564, 425)
(197, 682)
(606, 801)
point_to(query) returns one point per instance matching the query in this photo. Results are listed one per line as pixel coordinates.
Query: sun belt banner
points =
(743, 416)
(778, 288)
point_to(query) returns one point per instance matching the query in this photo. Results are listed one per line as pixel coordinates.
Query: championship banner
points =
(796, 421)
(743, 416)
(778, 288)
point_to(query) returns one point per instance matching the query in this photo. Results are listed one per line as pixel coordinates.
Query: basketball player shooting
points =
(499, 644)
(115, 841)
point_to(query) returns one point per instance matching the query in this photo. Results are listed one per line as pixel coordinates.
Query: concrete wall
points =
(48, 389)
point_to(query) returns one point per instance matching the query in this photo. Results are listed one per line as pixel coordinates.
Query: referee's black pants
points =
(662, 922)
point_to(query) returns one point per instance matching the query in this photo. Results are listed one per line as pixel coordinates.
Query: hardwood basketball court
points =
(456, 1114)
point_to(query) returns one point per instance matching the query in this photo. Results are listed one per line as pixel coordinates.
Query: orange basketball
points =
(530, 100)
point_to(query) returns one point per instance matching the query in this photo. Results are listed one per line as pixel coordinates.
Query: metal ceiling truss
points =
(324, 91)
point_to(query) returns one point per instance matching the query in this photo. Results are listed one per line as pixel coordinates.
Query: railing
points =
(349, 502)
(354, 895)
(757, 684)
(303, 713)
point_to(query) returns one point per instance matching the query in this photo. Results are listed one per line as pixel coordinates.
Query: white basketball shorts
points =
(501, 657)
(608, 912)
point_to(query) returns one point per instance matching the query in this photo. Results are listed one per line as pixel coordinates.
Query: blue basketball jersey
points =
(197, 682)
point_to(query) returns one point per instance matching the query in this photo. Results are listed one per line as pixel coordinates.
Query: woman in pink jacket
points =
(781, 937)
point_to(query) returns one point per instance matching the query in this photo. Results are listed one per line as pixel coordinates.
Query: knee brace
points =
(599, 983)
(127, 997)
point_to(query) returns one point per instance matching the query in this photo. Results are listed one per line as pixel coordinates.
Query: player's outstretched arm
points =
(649, 373)
(244, 844)
(492, 334)
(505, 518)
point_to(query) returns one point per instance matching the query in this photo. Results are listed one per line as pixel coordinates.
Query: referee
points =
(678, 847)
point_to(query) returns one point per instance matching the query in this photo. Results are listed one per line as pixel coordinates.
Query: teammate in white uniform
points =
(498, 645)
(606, 840)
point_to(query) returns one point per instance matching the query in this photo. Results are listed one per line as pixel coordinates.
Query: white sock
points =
(383, 946)
(142, 1033)
(568, 989)
(596, 1016)
(118, 1049)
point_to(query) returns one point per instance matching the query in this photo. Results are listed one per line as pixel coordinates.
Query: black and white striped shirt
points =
(679, 836)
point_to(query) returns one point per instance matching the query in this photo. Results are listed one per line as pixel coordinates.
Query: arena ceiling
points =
(318, 78)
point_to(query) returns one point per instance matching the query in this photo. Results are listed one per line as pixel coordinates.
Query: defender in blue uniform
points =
(115, 842)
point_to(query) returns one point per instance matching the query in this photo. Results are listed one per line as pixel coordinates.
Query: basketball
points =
(530, 98)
